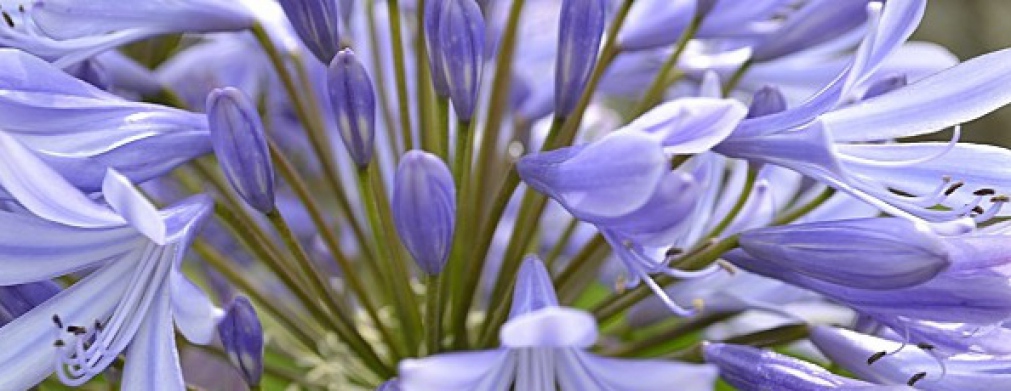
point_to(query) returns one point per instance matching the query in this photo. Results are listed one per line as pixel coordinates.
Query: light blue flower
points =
(544, 346)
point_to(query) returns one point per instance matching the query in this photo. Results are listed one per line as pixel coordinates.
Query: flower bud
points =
(353, 102)
(424, 209)
(317, 23)
(461, 52)
(16, 300)
(433, 12)
(242, 336)
(767, 100)
(241, 146)
(581, 25)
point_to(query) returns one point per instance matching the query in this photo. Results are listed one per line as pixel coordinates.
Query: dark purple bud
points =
(433, 13)
(767, 100)
(581, 25)
(390, 385)
(16, 300)
(353, 102)
(424, 209)
(461, 48)
(317, 23)
(242, 336)
(241, 146)
(885, 85)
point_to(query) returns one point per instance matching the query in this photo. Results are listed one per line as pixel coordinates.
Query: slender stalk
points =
(441, 128)
(433, 315)
(350, 275)
(392, 136)
(425, 91)
(563, 241)
(742, 199)
(400, 72)
(397, 275)
(654, 94)
(679, 330)
(579, 261)
(735, 79)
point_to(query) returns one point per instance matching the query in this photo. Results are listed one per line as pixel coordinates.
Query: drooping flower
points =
(543, 348)
(129, 300)
(67, 31)
(80, 130)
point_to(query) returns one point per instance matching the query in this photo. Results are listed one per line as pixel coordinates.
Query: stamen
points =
(7, 19)
(876, 356)
(58, 321)
(917, 377)
(956, 135)
(984, 192)
(954, 186)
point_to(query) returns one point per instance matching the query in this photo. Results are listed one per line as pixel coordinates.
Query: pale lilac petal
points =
(550, 327)
(194, 313)
(44, 192)
(152, 361)
(28, 355)
(69, 19)
(611, 177)
(490, 370)
(39, 250)
(690, 125)
(959, 94)
(654, 23)
(534, 289)
(584, 371)
(128, 202)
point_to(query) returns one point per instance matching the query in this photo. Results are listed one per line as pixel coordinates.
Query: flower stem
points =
(433, 314)
(654, 94)
(400, 72)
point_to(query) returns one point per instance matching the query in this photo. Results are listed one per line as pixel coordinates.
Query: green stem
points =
(578, 262)
(380, 77)
(735, 79)
(433, 314)
(389, 255)
(765, 338)
(654, 94)
(681, 329)
(561, 243)
(400, 72)
(441, 129)
(742, 199)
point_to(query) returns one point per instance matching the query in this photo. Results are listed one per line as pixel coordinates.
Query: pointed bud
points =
(16, 300)
(317, 23)
(433, 13)
(874, 253)
(241, 146)
(242, 336)
(581, 25)
(424, 209)
(767, 100)
(353, 101)
(461, 48)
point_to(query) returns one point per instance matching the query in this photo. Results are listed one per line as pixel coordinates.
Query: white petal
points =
(552, 327)
(195, 316)
(126, 200)
(465, 371)
(690, 125)
(577, 370)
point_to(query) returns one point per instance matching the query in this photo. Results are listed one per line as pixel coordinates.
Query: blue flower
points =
(544, 345)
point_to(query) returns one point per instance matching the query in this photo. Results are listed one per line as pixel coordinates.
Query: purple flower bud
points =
(317, 23)
(433, 13)
(424, 209)
(390, 385)
(461, 48)
(767, 100)
(353, 102)
(876, 253)
(885, 85)
(581, 25)
(16, 300)
(241, 146)
(242, 336)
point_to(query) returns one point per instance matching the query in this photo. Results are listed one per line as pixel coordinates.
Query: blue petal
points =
(152, 362)
(690, 125)
(489, 370)
(584, 371)
(608, 178)
(550, 327)
(194, 313)
(534, 290)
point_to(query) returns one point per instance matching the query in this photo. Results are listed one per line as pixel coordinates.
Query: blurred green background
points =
(969, 28)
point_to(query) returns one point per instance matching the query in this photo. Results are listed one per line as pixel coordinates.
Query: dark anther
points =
(875, 357)
(1000, 198)
(21, 8)
(977, 209)
(984, 192)
(98, 325)
(59, 343)
(77, 330)
(674, 251)
(917, 377)
(925, 346)
(954, 186)
(7, 18)
(58, 321)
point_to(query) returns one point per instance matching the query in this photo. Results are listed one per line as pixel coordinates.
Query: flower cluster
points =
(431, 195)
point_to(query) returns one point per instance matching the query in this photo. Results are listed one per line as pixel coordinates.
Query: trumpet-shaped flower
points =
(130, 298)
(67, 31)
(80, 130)
(543, 349)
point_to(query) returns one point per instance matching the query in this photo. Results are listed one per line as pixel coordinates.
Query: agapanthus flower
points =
(132, 297)
(544, 346)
